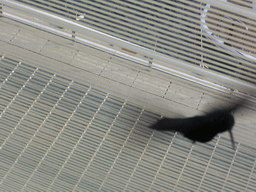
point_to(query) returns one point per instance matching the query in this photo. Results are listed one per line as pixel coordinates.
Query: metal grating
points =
(61, 135)
(217, 36)
(65, 128)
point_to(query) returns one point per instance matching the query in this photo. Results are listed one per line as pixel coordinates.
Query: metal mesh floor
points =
(61, 135)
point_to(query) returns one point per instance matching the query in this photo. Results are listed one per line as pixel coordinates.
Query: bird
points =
(201, 128)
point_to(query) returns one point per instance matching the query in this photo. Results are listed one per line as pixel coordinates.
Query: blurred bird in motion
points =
(201, 128)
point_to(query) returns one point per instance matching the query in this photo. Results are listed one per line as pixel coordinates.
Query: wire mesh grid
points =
(61, 135)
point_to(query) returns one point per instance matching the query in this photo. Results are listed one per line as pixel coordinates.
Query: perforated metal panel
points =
(76, 103)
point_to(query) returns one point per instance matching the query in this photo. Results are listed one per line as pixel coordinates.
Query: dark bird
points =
(201, 128)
